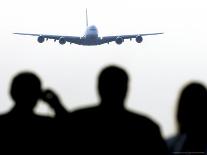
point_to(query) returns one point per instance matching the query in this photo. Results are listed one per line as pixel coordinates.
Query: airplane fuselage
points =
(91, 36)
(91, 32)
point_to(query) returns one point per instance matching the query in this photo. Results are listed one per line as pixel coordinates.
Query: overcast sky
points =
(158, 68)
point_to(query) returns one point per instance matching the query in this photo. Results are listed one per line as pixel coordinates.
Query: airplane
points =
(91, 37)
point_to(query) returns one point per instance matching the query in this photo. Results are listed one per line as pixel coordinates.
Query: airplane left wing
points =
(120, 39)
(62, 39)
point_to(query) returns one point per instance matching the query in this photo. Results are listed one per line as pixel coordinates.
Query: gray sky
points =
(158, 67)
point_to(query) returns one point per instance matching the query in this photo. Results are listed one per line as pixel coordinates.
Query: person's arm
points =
(52, 99)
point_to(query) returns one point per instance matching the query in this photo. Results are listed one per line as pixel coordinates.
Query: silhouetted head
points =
(192, 107)
(112, 86)
(25, 90)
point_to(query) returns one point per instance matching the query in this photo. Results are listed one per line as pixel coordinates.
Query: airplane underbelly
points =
(91, 41)
(92, 36)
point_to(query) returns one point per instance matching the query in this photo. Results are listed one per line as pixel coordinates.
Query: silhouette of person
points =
(21, 122)
(25, 91)
(109, 127)
(191, 118)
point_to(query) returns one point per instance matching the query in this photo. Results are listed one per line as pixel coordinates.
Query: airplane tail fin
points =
(86, 18)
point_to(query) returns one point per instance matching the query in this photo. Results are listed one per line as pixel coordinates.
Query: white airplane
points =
(91, 37)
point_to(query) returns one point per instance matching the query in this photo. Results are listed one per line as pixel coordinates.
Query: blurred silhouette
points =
(109, 127)
(192, 119)
(53, 100)
(21, 123)
(25, 91)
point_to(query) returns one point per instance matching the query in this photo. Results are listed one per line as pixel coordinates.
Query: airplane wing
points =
(62, 39)
(108, 39)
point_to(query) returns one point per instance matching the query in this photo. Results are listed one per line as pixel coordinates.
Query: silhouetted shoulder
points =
(115, 119)
(175, 143)
(86, 113)
(144, 120)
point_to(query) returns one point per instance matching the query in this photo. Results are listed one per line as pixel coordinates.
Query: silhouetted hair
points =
(112, 84)
(26, 87)
(192, 107)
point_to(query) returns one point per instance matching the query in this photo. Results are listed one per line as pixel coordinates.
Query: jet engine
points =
(119, 40)
(40, 39)
(62, 40)
(139, 39)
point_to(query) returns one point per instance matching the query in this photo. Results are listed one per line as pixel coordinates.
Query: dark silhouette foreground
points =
(110, 127)
(21, 127)
(25, 91)
(107, 128)
(192, 119)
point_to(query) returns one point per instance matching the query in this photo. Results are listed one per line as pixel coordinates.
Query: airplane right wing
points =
(62, 39)
(120, 39)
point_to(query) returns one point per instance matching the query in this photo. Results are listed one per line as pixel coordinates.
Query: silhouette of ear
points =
(112, 83)
(26, 86)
